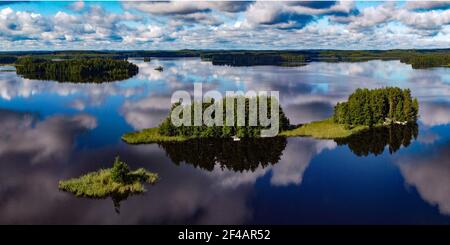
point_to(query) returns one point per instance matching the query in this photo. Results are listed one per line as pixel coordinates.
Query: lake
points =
(51, 131)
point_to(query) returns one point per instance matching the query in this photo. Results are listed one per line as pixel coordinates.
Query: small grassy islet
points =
(118, 180)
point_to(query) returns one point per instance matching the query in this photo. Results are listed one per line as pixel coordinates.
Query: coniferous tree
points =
(76, 70)
(370, 107)
(203, 131)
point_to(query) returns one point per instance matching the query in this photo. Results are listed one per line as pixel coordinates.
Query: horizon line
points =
(175, 50)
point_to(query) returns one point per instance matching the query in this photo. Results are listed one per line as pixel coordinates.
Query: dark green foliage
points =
(167, 128)
(375, 140)
(245, 155)
(424, 58)
(377, 106)
(415, 108)
(254, 58)
(428, 60)
(418, 58)
(76, 70)
(120, 171)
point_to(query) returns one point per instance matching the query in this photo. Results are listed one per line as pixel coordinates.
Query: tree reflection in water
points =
(375, 140)
(243, 155)
(249, 154)
(117, 198)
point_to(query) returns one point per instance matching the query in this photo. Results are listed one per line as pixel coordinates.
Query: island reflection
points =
(250, 154)
(243, 155)
(375, 140)
(49, 135)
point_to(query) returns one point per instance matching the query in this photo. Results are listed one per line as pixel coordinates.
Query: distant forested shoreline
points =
(417, 58)
(94, 70)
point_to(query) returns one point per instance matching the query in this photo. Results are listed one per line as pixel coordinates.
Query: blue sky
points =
(60, 25)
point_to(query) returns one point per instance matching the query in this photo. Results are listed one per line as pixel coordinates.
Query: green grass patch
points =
(150, 135)
(325, 129)
(102, 183)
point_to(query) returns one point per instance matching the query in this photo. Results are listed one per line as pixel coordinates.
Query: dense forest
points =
(377, 106)
(252, 58)
(167, 128)
(116, 54)
(418, 58)
(93, 70)
(427, 61)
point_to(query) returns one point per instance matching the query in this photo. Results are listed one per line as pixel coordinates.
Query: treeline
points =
(427, 61)
(113, 54)
(416, 57)
(93, 70)
(254, 58)
(167, 128)
(377, 106)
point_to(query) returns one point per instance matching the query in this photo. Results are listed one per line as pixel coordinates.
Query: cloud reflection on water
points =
(307, 93)
(52, 138)
(37, 152)
(429, 173)
(184, 194)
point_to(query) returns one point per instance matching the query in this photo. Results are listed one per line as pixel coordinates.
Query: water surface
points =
(51, 131)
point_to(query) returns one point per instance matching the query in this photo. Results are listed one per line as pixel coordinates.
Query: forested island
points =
(168, 132)
(95, 70)
(365, 109)
(427, 60)
(417, 58)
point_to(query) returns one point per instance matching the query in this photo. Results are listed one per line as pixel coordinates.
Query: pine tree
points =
(369, 107)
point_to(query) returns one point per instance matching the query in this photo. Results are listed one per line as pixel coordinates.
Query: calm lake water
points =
(51, 131)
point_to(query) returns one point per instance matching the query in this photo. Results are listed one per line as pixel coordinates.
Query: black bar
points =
(141, 234)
